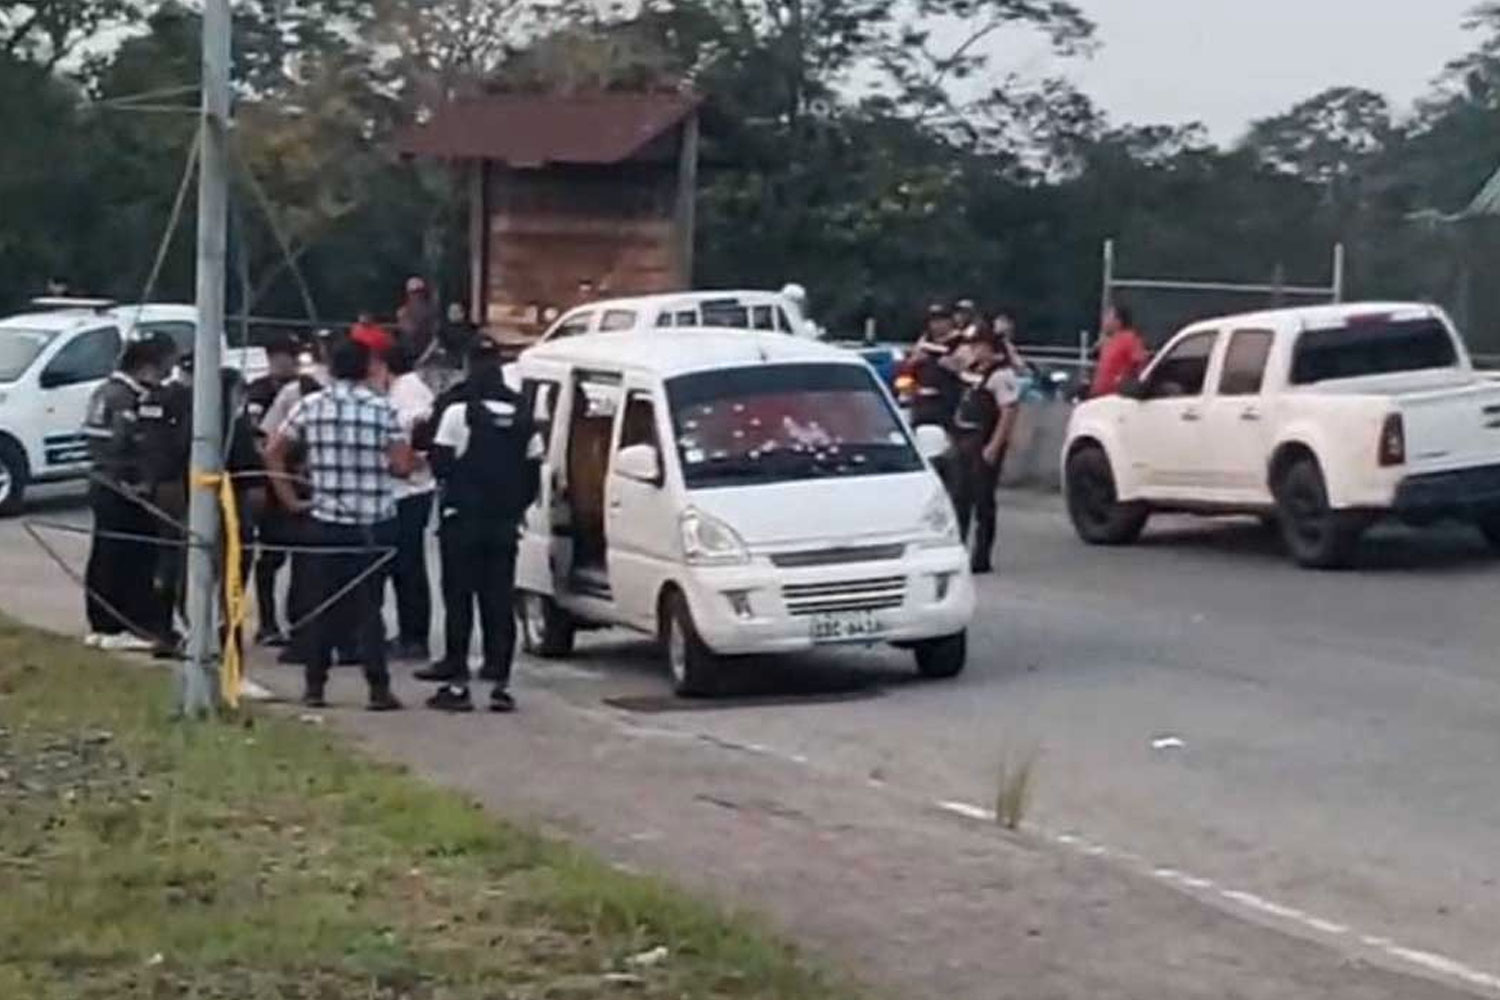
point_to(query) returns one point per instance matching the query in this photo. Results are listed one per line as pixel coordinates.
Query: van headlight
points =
(938, 524)
(708, 541)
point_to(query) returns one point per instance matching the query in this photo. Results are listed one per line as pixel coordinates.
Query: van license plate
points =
(846, 626)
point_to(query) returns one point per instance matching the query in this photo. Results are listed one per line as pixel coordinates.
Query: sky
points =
(1228, 62)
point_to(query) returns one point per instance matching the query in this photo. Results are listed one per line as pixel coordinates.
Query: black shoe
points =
(384, 701)
(291, 656)
(314, 699)
(170, 647)
(492, 674)
(502, 702)
(439, 673)
(271, 638)
(981, 568)
(451, 698)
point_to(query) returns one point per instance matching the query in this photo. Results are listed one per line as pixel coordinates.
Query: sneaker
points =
(384, 701)
(502, 702)
(438, 673)
(314, 699)
(94, 640)
(451, 698)
(125, 642)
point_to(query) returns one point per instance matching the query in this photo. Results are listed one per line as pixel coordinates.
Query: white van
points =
(735, 492)
(740, 310)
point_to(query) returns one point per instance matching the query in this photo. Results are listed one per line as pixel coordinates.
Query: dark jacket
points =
(493, 475)
(121, 416)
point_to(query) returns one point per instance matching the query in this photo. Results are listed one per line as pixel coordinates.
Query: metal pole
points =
(1338, 272)
(1107, 297)
(200, 674)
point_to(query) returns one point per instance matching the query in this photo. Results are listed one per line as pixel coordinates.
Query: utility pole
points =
(200, 673)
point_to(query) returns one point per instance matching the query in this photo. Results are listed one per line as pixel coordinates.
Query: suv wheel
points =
(940, 659)
(546, 629)
(13, 478)
(694, 667)
(1317, 536)
(1093, 504)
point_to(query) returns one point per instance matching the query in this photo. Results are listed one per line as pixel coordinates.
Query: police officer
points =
(168, 443)
(276, 527)
(486, 454)
(982, 428)
(123, 615)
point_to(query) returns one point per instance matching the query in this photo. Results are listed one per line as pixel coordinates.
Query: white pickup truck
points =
(1325, 419)
(52, 360)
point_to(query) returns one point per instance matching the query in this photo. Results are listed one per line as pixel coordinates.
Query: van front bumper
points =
(762, 608)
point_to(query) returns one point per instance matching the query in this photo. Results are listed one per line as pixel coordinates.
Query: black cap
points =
(938, 310)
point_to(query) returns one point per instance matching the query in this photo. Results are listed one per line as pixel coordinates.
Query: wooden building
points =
(571, 197)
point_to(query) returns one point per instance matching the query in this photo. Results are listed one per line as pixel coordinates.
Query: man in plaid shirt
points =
(355, 452)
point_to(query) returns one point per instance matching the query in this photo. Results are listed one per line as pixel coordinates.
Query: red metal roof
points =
(529, 130)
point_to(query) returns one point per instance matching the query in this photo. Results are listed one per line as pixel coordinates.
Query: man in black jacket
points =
(485, 452)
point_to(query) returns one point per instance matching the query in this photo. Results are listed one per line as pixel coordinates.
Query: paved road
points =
(1337, 775)
(1340, 767)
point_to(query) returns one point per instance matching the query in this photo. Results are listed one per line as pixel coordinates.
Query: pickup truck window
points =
(1184, 368)
(1245, 363)
(1378, 346)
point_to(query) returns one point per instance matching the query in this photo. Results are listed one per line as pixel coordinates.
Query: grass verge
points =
(145, 858)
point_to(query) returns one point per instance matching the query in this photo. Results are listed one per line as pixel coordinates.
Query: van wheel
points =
(546, 629)
(1317, 536)
(694, 667)
(940, 659)
(13, 478)
(1093, 505)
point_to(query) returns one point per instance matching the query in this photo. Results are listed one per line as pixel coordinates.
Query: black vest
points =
(494, 480)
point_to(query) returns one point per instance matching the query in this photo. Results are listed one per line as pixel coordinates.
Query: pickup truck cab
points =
(1325, 419)
(735, 492)
(51, 361)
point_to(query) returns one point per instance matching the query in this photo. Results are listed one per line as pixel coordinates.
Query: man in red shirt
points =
(1123, 354)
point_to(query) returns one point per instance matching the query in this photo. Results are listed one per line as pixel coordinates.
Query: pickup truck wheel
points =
(694, 667)
(940, 659)
(1316, 536)
(1093, 505)
(13, 478)
(546, 629)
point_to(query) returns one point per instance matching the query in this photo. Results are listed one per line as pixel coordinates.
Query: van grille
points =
(838, 556)
(845, 595)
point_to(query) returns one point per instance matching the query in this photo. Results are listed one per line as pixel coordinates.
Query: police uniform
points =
(987, 394)
(276, 525)
(122, 417)
(486, 454)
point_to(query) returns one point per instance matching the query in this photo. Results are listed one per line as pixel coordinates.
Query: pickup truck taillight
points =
(1393, 441)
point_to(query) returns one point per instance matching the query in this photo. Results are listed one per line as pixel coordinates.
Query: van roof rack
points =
(68, 302)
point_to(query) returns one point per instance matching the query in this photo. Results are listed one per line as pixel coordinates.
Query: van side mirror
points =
(932, 441)
(1134, 388)
(640, 463)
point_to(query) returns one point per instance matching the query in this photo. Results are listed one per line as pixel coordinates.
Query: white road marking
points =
(1427, 961)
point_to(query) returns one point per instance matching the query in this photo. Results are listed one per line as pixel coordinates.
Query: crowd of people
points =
(339, 455)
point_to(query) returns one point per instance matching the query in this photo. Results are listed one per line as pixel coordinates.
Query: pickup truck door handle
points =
(1250, 414)
(1191, 416)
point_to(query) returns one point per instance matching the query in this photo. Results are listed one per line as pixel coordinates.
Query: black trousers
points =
(974, 484)
(354, 619)
(278, 528)
(409, 572)
(479, 567)
(120, 571)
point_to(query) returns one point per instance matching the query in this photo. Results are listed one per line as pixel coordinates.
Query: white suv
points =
(50, 364)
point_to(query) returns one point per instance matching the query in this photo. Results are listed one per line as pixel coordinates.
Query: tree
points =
(1327, 138)
(44, 33)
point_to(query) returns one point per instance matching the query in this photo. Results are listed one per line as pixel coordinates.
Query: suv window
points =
(638, 426)
(573, 326)
(617, 319)
(1184, 368)
(89, 358)
(1245, 363)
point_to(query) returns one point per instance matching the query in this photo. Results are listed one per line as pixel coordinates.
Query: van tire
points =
(1316, 536)
(546, 629)
(942, 659)
(695, 669)
(1094, 507)
(14, 478)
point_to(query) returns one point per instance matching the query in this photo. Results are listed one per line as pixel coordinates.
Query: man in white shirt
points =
(413, 401)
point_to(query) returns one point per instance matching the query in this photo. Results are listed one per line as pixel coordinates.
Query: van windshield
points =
(1378, 345)
(780, 423)
(19, 348)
